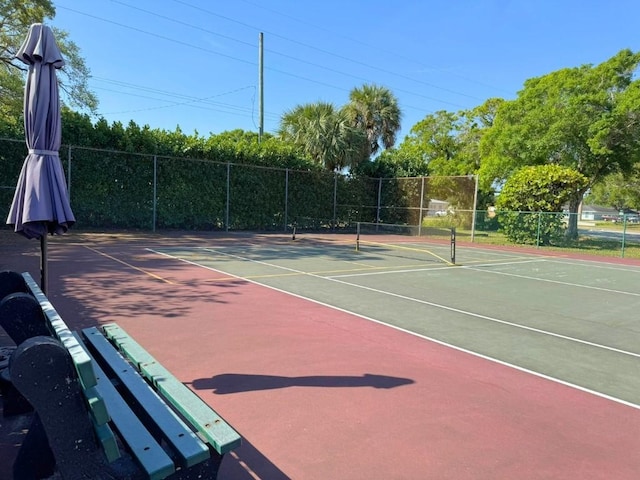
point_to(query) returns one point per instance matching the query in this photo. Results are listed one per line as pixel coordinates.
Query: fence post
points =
(335, 199)
(421, 208)
(226, 215)
(475, 206)
(286, 197)
(539, 227)
(69, 170)
(155, 191)
(624, 233)
(379, 199)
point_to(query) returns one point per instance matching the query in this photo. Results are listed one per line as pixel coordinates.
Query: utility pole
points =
(260, 87)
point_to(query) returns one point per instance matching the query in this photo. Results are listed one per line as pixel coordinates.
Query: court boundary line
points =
(437, 305)
(444, 267)
(595, 264)
(417, 267)
(122, 262)
(425, 337)
(548, 280)
(408, 249)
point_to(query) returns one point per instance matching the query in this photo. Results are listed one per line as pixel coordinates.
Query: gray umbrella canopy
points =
(41, 201)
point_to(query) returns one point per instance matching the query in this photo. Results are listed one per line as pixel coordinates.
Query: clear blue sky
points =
(194, 63)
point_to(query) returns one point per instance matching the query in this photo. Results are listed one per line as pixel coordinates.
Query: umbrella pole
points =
(44, 274)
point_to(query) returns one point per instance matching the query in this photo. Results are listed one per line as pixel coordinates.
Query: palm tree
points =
(323, 133)
(374, 110)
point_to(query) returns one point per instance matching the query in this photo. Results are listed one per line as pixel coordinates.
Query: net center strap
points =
(36, 151)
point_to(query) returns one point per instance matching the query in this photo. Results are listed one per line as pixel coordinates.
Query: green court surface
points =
(572, 321)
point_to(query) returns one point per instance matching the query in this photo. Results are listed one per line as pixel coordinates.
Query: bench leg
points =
(21, 317)
(12, 402)
(34, 446)
(11, 282)
(207, 469)
(42, 370)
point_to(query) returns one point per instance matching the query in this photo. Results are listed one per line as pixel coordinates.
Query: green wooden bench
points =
(144, 422)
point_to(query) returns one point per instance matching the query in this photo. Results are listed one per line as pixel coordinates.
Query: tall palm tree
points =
(324, 133)
(374, 109)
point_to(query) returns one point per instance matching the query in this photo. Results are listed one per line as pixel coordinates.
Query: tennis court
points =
(568, 320)
(386, 360)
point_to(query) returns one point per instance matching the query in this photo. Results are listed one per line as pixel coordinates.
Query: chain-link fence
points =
(111, 189)
(119, 190)
(612, 236)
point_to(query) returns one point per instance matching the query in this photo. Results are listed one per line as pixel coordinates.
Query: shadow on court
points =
(237, 382)
(248, 463)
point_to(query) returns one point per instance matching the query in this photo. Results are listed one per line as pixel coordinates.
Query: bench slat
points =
(96, 406)
(153, 459)
(186, 443)
(80, 357)
(209, 424)
(108, 441)
(78, 354)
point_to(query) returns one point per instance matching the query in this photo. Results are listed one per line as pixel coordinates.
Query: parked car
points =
(630, 217)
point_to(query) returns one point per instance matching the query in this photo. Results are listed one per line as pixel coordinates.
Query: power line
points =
(216, 107)
(273, 34)
(198, 47)
(376, 47)
(157, 35)
(189, 100)
(363, 79)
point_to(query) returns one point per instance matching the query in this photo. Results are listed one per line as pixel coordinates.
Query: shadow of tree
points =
(227, 383)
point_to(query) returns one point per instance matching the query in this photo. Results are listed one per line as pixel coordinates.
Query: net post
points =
(293, 235)
(357, 236)
(453, 245)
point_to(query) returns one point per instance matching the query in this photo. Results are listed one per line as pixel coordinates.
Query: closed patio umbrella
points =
(41, 202)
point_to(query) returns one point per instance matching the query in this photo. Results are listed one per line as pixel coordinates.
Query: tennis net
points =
(407, 241)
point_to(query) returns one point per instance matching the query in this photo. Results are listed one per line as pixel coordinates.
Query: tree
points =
(617, 191)
(471, 128)
(531, 191)
(447, 143)
(324, 134)
(392, 163)
(374, 110)
(586, 118)
(15, 18)
(433, 140)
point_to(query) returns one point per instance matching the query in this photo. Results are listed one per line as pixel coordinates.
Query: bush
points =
(532, 228)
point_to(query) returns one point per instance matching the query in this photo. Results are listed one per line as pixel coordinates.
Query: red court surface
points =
(319, 393)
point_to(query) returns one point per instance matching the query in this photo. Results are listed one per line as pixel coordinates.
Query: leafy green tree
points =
(323, 133)
(15, 18)
(79, 130)
(586, 118)
(617, 191)
(529, 193)
(392, 163)
(374, 110)
(471, 128)
(447, 143)
(434, 141)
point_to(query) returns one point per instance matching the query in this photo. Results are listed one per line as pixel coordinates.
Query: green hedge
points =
(113, 190)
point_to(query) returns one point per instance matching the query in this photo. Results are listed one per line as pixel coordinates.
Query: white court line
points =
(492, 264)
(407, 270)
(436, 305)
(593, 264)
(395, 327)
(538, 279)
(431, 269)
